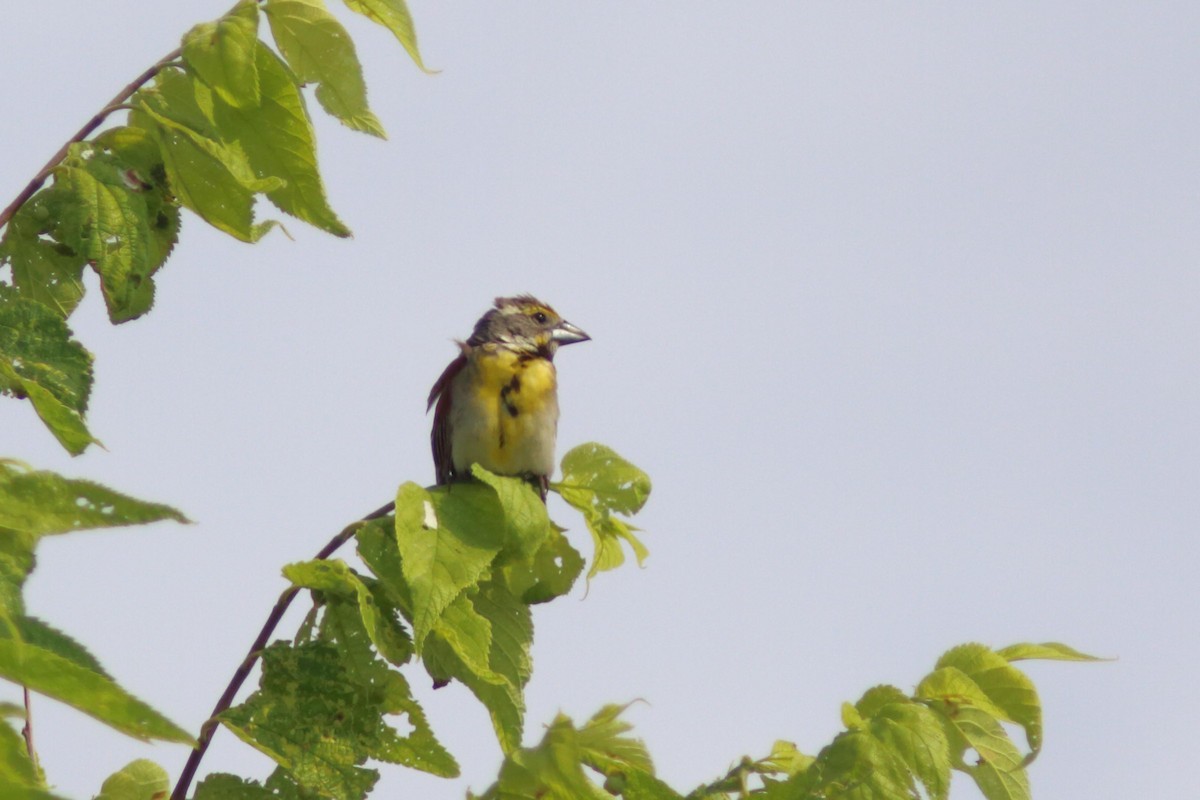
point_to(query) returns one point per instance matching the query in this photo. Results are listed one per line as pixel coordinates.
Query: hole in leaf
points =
(402, 724)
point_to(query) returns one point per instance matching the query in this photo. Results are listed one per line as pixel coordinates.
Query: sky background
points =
(897, 303)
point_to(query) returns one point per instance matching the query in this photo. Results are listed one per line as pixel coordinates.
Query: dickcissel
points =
(497, 403)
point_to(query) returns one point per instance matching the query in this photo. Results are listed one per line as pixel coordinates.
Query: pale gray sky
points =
(896, 303)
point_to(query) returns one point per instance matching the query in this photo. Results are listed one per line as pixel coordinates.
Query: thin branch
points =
(116, 104)
(243, 671)
(27, 731)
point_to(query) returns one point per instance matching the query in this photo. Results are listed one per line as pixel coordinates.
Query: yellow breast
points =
(504, 413)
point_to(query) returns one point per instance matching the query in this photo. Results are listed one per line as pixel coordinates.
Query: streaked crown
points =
(525, 324)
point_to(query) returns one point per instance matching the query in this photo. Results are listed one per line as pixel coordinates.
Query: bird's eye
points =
(541, 317)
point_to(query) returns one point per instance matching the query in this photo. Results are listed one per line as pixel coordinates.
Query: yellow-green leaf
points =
(277, 139)
(221, 54)
(319, 50)
(393, 15)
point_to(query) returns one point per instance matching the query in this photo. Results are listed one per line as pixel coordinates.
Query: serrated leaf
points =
(483, 641)
(393, 15)
(45, 503)
(785, 757)
(638, 785)
(999, 772)
(605, 747)
(40, 361)
(915, 735)
(319, 50)
(606, 480)
(212, 178)
(377, 615)
(277, 138)
(954, 689)
(137, 780)
(221, 53)
(279, 786)
(857, 766)
(45, 267)
(527, 525)
(600, 483)
(319, 713)
(378, 549)
(1005, 685)
(77, 685)
(139, 163)
(550, 574)
(447, 541)
(65, 423)
(36, 633)
(16, 768)
(114, 222)
(1050, 651)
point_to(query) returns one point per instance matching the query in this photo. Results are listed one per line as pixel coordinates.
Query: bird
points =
(497, 402)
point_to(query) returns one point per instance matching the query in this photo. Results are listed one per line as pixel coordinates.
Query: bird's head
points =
(526, 325)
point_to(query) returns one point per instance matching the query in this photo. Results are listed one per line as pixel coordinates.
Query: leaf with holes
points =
(601, 484)
(41, 362)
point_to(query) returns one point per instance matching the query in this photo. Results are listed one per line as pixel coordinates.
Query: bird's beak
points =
(566, 333)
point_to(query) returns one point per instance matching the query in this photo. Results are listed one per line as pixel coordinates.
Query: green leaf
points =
(999, 772)
(857, 765)
(953, 688)
(137, 780)
(638, 785)
(319, 713)
(378, 549)
(447, 540)
(277, 138)
(393, 15)
(75, 683)
(65, 423)
(483, 640)
(279, 786)
(44, 503)
(785, 757)
(550, 574)
(208, 176)
(1052, 651)
(527, 525)
(378, 615)
(221, 54)
(45, 266)
(914, 734)
(554, 768)
(110, 223)
(40, 361)
(600, 484)
(38, 634)
(1005, 685)
(16, 768)
(605, 748)
(319, 50)
(343, 626)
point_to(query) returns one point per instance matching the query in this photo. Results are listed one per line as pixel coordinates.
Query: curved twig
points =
(116, 104)
(243, 671)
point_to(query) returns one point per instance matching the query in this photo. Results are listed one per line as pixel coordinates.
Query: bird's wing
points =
(439, 438)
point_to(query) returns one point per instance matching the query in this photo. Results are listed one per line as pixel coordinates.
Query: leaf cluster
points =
(895, 746)
(450, 580)
(217, 125)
